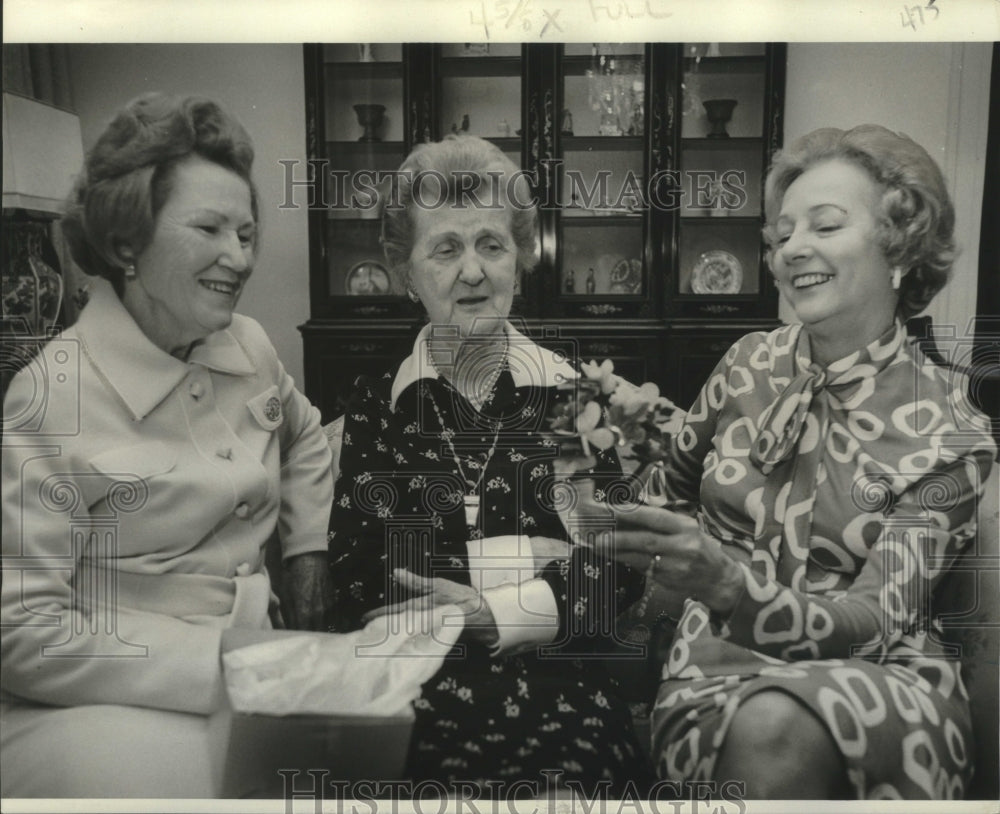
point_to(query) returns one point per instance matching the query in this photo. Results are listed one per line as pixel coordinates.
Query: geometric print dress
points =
(845, 494)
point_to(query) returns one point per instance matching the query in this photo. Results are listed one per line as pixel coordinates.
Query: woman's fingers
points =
(639, 561)
(653, 518)
(413, 582)
(438, 590)
(550, 547)
(572, 465)
(385, 610)
(417, 605)
(638, 541)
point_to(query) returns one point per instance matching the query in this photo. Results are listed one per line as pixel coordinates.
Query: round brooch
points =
(272, 410)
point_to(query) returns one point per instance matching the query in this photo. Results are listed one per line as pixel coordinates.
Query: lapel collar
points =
(140, 373)
(223, 352)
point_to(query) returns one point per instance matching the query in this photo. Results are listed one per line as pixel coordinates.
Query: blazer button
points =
(242, 511)
(225, 452)
(243, 569)
(197, 390)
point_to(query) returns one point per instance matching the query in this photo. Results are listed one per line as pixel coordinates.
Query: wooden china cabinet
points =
(647, 161)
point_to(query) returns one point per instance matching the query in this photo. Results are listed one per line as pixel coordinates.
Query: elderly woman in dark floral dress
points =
(445, 489)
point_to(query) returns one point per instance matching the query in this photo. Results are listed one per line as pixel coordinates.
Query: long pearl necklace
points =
(473, 486)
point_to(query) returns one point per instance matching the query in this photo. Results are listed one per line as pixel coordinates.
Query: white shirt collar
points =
(529, 364)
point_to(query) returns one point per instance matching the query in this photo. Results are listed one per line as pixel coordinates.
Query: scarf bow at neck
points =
(782, 422)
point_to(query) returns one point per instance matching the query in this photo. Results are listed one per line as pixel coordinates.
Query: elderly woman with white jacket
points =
(149, 453)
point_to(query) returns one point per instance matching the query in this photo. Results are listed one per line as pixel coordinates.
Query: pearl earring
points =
(897, 277)
(130, 271)
(412, 294)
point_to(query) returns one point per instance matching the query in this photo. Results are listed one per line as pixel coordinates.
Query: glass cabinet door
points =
(480, 92)
(722, 158)
(602, 126)
(647, 163)
(363, 124)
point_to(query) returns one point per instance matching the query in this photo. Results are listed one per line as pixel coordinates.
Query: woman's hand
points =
(549, 549)
(306, 592)
(678, 555)
(433, 592)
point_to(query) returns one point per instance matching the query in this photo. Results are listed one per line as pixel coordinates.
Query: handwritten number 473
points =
(907, 17)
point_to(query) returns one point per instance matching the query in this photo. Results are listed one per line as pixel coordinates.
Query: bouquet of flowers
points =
(605, 410)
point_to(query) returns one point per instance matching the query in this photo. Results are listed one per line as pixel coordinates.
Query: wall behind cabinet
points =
(937, 93)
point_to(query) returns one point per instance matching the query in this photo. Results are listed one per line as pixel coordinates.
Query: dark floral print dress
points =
(842, 538)
(527, 715)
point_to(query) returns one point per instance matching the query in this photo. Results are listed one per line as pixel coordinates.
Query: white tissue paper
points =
(376, 671)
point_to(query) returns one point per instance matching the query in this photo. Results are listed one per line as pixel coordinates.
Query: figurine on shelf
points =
(592, 74)
(591, 281)
(465, 125)
(365, 53)
(567, 122)
(692, 85)
(637, 127)
(571, 282)
(609, 125)
(370, 118)
(719, 112)
(503, 127)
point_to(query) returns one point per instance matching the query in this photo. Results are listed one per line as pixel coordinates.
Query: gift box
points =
(307, 710)
(286, 756)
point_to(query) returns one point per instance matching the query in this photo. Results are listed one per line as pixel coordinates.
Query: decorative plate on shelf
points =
(626, 277)
(367, 278)
(717, 272)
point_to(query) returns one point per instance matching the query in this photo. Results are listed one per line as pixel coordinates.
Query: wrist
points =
(480, 624)
(727, 589)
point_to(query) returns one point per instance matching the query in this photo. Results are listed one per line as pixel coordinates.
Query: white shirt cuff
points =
(505, 559)
(526, 615)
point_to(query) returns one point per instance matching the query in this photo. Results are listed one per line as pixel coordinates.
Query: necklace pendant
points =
(471, 510)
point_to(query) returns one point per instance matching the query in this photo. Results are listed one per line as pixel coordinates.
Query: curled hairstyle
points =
(462, 171)
(915, 215)
(127, 175)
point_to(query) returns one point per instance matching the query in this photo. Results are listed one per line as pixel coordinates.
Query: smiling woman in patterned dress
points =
(837, 473)
(445, 491)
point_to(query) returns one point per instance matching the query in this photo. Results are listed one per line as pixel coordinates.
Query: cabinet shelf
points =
(734, 64)
(579, 65)
(600, 143)
(573, 216)
(507, 144)
(364, 70)
(731, 143)
(359, 146)
(704, 221)
(480, 66)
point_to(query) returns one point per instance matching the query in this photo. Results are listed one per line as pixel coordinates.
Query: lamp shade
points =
(42, 154)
